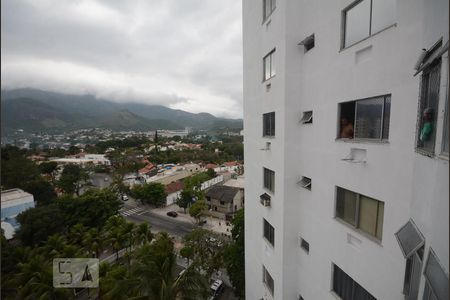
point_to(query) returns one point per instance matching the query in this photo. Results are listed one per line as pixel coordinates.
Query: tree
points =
(37, 224)
(234, 255)
(48, 167)
(208, 249)
(72, 179)
(42, 191)
(150, 193)
(187, 252)
(143, 235)
(197, 209)
(94, 242)
(211, 173)
(16, 168)
(185, 199)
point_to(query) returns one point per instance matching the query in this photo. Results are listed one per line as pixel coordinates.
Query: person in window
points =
(427, 126)
(346, 129)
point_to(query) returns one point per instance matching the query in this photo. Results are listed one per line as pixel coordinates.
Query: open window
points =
(307, 117)
(307, 43)
(365, 119)
(409, 238)
(305, 182)
(304, 245)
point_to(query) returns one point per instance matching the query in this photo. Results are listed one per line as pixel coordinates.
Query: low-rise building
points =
(14, 202)
(223, 201)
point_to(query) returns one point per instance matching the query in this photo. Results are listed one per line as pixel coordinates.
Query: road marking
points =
(131, 211)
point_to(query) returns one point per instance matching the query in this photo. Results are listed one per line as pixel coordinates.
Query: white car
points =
(124, 198)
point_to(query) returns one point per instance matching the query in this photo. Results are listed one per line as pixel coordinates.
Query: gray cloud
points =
(181, 53)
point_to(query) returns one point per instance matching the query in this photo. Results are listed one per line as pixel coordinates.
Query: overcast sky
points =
(184, 54)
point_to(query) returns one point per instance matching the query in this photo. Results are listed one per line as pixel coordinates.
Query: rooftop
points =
(14, 194)
(222, 193)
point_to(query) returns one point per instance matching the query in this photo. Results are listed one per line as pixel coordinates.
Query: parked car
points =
(124, 198)
(216, 289)
(106, 178)
(172, 214)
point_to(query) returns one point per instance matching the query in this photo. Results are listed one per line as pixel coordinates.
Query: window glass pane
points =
(346, 206)
(272, 67)
(347, 120)
(387, 116)
(436, 276)
(368, 214)
(428, 108)
(269, 179)
(379, 234)
(409, 238)
(445, 129)
(357, 22)
(268, 280)
(383, 14)
(266, 67)
(368, 118)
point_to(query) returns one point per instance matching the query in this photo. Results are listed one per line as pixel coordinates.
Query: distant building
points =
(13, 202)
(83, 159)
(149, 170)
(223, 201)
(173, 191)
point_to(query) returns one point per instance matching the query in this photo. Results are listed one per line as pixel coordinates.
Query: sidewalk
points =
(212, 224)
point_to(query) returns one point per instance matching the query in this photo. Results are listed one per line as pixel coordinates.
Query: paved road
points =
(98, 180)
(160, 223)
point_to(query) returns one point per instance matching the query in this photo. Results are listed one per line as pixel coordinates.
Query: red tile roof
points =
(231, 163)
(174, 187)
(146, 169)
(210, 166)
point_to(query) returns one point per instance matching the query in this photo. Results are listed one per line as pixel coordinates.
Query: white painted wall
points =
(318, 80)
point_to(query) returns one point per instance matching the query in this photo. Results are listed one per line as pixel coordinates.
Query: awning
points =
(307, 40)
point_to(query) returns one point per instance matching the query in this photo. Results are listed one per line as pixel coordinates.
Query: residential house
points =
(223, 201)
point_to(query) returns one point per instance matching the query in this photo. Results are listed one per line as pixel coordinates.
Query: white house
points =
(346, 149)
(13, 202)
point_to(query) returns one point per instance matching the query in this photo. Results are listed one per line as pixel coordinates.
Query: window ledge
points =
(270, 137)
(366, 38)
(362, 141)
(272, 247)
(360, 232)
(268, 17)
(271, 193)
(267, 81)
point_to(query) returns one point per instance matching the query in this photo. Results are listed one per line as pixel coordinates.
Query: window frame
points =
(381, 139)
(306, 183)
(353, 282)
(344, 24)
(304, 245)
(357, 225)
(445, 124)
(307, 117)
(271, 176)
(273, 6)
(266, 284)
(270, 56)
(271, 233)
(272, 124)
(431, 253)
(426, 73)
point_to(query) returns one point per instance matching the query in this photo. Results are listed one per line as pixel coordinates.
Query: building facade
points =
(346, 149)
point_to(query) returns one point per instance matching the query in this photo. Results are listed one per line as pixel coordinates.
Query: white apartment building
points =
(346, 149)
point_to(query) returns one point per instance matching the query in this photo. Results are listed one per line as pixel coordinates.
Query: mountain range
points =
(42, 111)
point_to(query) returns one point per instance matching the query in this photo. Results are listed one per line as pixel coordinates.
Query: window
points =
(304, 245)
(222, 203)
(348, 289)
(366, 118)
(360, 211)
(364, 18)
(269, 233)
(428, 107)
(305, 182)
(445, 128)
(307, 117)
(308, 43)
(269, 69)
(269, 124)
(268, 8)
(412, 274)
(409, 238)
(268, 280)
(436, 278)
(269, 180)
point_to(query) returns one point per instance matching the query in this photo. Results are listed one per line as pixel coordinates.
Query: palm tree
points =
(93, 242)
(77, 234)
(154, 278)
(116, 240)
(35, 281)
(128, 230)
(114, 282)
(143, 235)
(54, 246)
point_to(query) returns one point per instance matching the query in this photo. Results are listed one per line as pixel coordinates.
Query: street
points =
(158, 222)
